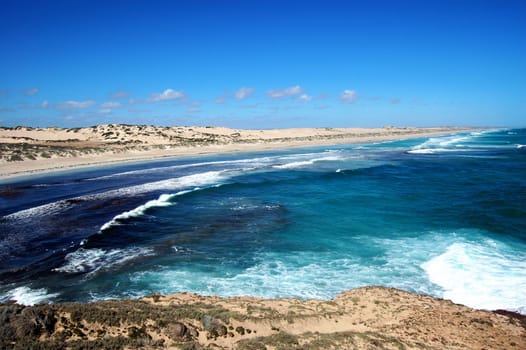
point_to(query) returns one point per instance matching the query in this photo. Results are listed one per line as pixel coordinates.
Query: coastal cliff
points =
(363, 318)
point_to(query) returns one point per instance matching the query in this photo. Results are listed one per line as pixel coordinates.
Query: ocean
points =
(443, 216)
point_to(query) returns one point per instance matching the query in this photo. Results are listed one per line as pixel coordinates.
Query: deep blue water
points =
(444, 216)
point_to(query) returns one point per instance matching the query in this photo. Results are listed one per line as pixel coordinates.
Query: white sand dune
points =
(24, 150)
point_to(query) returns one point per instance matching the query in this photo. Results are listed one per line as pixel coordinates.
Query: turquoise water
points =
(444, 216)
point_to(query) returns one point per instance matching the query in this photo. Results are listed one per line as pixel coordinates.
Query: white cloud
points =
(76, 104)
(105, 111)
(119, 94)
(291, 91)
(349, 96)
(252, 106)
(304, 98)
(136, 110)
(45, 104)
(394, 101)
(166, 95)
(220, 100)
(243, 93)
(31, 92)
(111, 105)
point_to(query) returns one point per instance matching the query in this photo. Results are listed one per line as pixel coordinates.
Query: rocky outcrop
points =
(364, 318)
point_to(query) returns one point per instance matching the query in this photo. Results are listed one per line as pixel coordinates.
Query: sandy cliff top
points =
(364, 318)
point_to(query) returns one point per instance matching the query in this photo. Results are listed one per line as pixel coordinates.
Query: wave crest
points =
(93, 260)
(480, 275)
(28, 296)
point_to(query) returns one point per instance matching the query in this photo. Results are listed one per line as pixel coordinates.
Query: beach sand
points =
(25, 150)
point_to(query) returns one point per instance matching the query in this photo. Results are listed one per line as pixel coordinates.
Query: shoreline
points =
(108, 153)
(361, 318)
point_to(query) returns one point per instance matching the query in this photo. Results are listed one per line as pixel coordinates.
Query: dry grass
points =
(187, 321)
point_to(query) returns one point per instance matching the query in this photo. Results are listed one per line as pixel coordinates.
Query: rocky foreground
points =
(364, 318)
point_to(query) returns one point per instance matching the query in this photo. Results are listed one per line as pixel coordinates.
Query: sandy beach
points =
(26, 150)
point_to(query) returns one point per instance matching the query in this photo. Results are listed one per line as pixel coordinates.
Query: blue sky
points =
(263, 64)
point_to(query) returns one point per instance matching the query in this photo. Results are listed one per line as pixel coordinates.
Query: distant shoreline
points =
(26, 151)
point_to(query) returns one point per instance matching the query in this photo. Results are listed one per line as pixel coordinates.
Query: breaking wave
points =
(484, 275)
(90, 261)
(28, 296)
(164, 200)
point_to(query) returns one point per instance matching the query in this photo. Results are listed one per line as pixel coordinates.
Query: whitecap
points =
(41, 210)
(426, 150)
(441, 144)
(317, 274)
(193, 180)
(304, 163)
(493, 277)
(93, 260)
(257, 162)
(484, 276)
(164, 200)
(27, 296)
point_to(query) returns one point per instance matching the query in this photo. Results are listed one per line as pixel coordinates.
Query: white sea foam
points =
(320, 275)
(442, 144)
(164, 200)
(267, 279)
(243, 205)
(93, 260)
(480, 275)
(28, 296)
(487, 275)
(428, 150)
(483, 132)
(304, 163)
(256, 162)
(193, 180)
(171, 168)
(41, 210)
